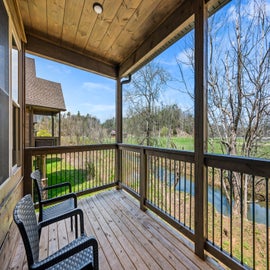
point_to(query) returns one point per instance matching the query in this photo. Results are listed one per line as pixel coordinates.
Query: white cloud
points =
(101, 111)
(58, 69)
(185, 56)
(90, 86)
(249, 10)
(171, 62)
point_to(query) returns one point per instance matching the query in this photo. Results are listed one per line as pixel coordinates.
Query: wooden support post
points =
(22, 102)
(200, 125)
(53, 126)
(59, 129)
(27, 184)
(119, 132)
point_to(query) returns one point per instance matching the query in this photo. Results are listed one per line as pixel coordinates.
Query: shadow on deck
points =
(128, 237)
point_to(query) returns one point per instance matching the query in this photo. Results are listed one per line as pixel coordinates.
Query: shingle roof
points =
(41, 92)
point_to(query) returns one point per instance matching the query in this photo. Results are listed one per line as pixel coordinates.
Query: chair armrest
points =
(61, 198)
(58, 186)
(76, 246)
(71, 213)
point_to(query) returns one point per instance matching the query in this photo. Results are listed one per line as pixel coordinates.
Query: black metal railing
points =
(238, 209)
(237, 199)
(88, 168)
(236, 196)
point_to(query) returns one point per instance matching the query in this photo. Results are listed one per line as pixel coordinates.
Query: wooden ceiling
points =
(113, 43)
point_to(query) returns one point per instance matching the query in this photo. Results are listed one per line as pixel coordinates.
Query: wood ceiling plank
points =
(141, 30)
(24, 9)
(55, 11)
(72, 16)
(38, 15)
(86, 24)
(125, 41)
(102, 24)
(119, 22)
(177, 24)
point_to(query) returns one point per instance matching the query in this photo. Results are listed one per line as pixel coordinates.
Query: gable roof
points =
(42, 93)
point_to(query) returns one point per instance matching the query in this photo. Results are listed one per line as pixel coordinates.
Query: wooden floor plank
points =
(128, 237)
(145, 250)
(105, 220)
(164, 257)
(53, 239)
(104, 244)
(19, 253)
(62, 232)
(43, 243)
(91, 232)
(160, 238)
(114, 221)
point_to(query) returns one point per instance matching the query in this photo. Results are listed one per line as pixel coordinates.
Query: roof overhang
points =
(115, 43)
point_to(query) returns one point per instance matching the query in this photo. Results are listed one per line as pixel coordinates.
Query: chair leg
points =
(76, 226)
(71, 224)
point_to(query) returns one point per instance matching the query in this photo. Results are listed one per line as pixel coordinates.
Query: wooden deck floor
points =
(128, 237)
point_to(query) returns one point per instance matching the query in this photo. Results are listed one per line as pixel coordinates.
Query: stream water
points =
(220, 202)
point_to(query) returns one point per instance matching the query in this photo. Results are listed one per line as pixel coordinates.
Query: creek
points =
(221, 204)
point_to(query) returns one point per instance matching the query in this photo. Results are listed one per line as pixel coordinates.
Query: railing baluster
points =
(190, 196)
(267, 222)
(253, 221)
(231, 208)
(185, 191)
(179, 183)
(242, 220)
(221, 209)
(170, 187)
(213, 205)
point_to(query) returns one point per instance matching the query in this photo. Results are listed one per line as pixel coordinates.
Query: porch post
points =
(52, 124)
(59, 129)
(27, 184)
(22, 102)
(200, 126)
(119, 131)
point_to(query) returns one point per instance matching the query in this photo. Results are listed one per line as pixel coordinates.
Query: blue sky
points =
(95, 95)
(92, 94)
(83, 91)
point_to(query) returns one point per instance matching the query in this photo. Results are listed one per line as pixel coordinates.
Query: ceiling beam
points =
(53, 52)
(176, 25)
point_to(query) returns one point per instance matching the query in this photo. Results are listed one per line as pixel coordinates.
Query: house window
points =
(15, 74)
(16, 135)
(4, 95)
(15, 107)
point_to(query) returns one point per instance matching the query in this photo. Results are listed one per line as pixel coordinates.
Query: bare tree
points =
(142, 97)
(238, 83)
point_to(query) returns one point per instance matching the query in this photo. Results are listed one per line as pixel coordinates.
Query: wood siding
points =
(10, 193)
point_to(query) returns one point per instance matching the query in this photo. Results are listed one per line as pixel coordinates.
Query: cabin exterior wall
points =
(11, 126)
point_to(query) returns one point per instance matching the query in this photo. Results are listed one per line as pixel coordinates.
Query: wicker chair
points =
(57, 205)
(81, 253)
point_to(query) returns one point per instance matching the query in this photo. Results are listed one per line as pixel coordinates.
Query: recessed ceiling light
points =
(98, 8)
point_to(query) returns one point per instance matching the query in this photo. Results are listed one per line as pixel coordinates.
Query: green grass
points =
(59, 171)
(187, 144)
